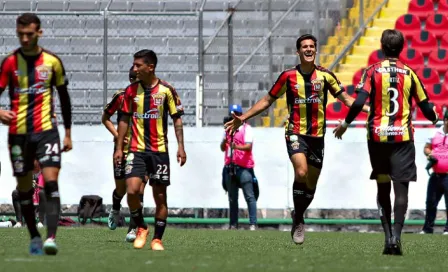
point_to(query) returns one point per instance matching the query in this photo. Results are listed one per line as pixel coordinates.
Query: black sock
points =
(132, 224)
(400, 206)
(116, 201)
(141, 198)
(16, 205)
(27, 207)
(302, 196)
(137, 215)
(42, 201)
(53, 204)
(385, 208)
(159, 228)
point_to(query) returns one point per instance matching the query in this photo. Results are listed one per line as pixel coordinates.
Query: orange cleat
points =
(156, 244)
(140, 239)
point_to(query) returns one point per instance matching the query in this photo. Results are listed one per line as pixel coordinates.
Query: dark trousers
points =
(437, 187)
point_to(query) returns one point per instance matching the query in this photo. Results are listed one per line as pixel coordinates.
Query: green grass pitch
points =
(99, 249)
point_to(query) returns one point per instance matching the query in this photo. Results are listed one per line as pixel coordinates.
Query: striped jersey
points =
(149, 110)
(391, 85)
(30, 80)
(306, 97)
(115, 104)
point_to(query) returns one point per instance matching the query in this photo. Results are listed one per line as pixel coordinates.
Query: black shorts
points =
(154, 164)
(25, 148)
(312, 147)
(394, 159)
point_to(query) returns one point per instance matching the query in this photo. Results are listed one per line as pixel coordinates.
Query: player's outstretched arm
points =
(348, 101)
(66, 107)
(355, 109)
(179, 131)
(256, 109)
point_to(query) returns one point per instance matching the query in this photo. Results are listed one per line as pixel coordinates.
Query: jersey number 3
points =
(393, 101)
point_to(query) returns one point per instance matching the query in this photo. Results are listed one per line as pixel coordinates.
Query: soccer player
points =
(30, 72)
(306, 87)
(120, 184)
(146, 106)
(390, 85)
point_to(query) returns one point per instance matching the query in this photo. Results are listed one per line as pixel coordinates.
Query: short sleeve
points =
(115, 103)
(334, 85)
(174, 104)
(60, 78)
(366, 81)
(127, 103)
(279, 87)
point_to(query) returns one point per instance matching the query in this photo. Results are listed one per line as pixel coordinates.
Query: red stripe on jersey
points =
(378, 82)
(38, 99)
(12, 94)
(314, 109)
(293, 108)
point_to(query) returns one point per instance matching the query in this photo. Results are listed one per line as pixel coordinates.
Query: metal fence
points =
(212, 57)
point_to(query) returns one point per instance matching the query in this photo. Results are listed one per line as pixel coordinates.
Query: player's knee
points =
(51, 189)
(383, 179)
(301, 175)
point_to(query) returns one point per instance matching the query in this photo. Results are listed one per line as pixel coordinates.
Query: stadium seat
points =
(419, 114)
(428, 76)
(357, 76)
(375, 56)
(438, 93)
(350, 90)
(437, 24)
(408, 24)
(421, 8)
(443, 7)
(412, 58)
(336, 111)
(438, 60)
(425, 43)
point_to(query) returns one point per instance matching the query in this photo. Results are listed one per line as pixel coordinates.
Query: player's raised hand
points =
(67, 144)
(6, 116)
(181, 156)
(339, 130)
(234, 124)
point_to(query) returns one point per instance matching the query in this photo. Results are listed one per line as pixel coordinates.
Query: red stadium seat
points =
(357, 76)
(418, 114)
(336, 111)
(425, 43)
(429, 77)
(443, 7)
(421, 8)
(437, 24)
(412, 58)
(438, 60)
(408, 24)
(350, 90)
(438, 94)
(444, 42)
(374, 57)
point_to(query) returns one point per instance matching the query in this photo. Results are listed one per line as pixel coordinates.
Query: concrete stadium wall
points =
(344, 183)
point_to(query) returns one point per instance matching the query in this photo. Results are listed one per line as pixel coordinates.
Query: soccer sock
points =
(42, 201)
(27, 207)
(384, 207)
(137, 215)
(16, 204)
(400, 206)
(141, 196)
(116, 201)
(132, 224)
(159, 228)
(302, 196)
(53, 204)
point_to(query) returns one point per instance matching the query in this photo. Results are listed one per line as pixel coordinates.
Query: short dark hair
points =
(392, 42)
(148, 56)
(27, 19)
(132, 74)
(305, 37)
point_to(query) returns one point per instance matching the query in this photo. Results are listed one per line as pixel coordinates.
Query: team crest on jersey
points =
(158, 99)
(43, 72)
(295, 145)
(317, 84)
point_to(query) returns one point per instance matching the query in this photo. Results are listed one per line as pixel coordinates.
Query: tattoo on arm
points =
(179, 130)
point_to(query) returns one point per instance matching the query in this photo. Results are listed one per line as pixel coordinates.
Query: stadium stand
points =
(78, 38)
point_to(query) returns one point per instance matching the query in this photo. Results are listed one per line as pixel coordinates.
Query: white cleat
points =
(18, 225)
(130, 237)
(40, 225)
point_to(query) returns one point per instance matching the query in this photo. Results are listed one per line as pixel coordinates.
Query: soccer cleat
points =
(233, 227)
(140, 239)
(18, 225)
(387, 248)
(36, 246)
(40, 225)
(130, 237)
(396, 248)
(50, 247)
(297, 230)
(252, 227)
(156, 244)
(112, 221)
